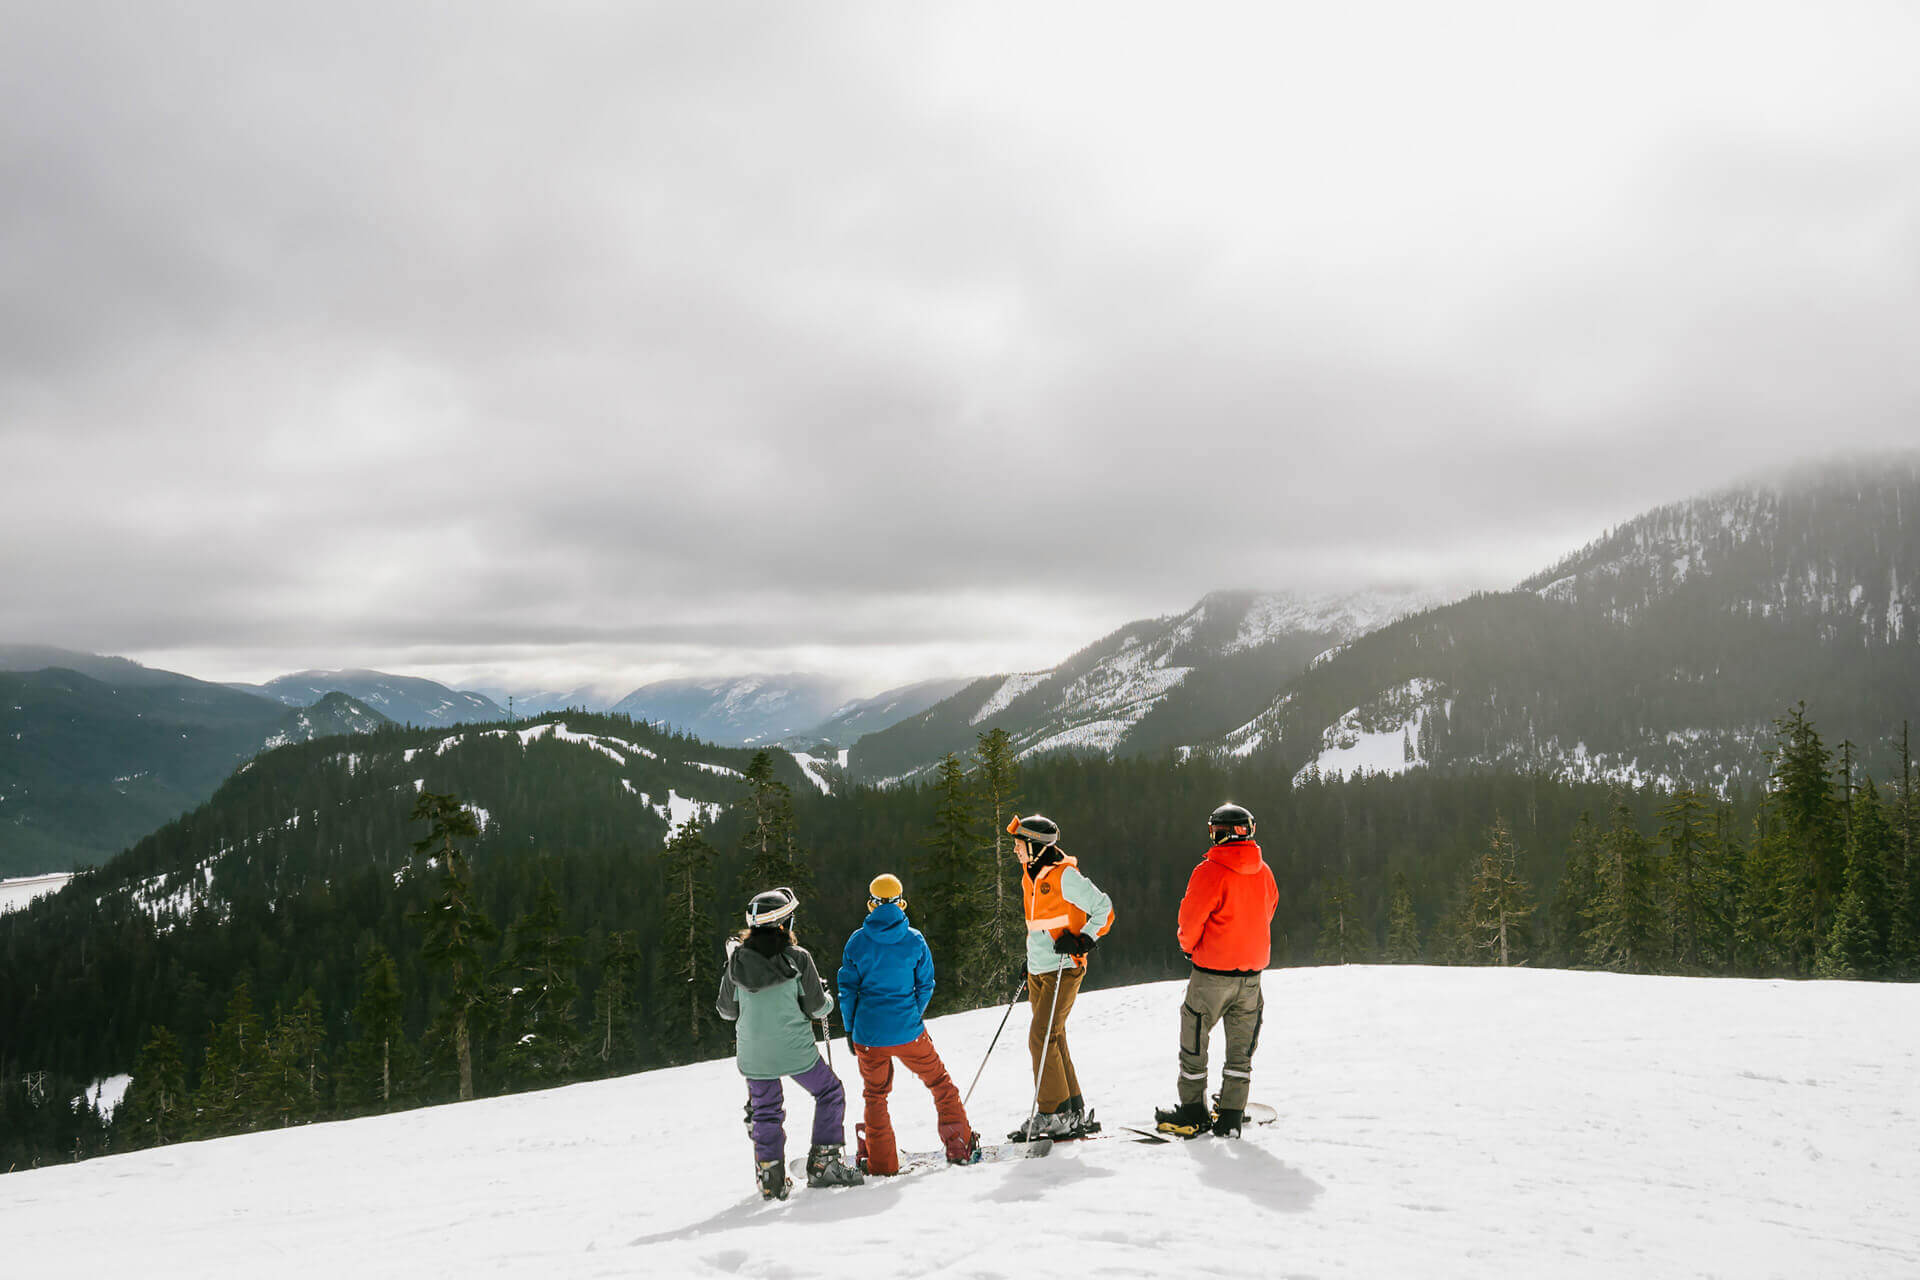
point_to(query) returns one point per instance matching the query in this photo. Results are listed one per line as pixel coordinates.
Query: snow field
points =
(1433, 1122)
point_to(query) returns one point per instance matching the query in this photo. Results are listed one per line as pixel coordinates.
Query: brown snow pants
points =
(1058, 1080)
(1212, 997)
(876, 1079)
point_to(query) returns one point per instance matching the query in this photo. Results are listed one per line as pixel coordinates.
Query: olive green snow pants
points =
(1210, 998)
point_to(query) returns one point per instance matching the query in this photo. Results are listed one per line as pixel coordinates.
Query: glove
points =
(1073, 944)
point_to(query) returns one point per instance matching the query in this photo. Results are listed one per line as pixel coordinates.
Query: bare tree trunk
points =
(463, 1046)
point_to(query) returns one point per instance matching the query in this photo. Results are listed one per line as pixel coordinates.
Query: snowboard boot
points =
(1085, 1125)
(1056, 1125)
(774, 1182)
(1226, 1122)
(1188, 1120)
(825, 1168)
(971, 1155)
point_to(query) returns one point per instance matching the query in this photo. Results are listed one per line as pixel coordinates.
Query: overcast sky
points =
(537, 344)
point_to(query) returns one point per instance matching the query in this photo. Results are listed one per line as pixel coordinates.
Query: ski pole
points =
(1046, 1042)
(996, 1039)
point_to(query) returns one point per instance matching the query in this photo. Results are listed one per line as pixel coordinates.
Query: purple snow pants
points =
(766, 1101)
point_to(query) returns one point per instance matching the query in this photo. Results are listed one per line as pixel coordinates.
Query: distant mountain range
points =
(1151, 686)
(96, 752)
(401, 699)
(1662, 651)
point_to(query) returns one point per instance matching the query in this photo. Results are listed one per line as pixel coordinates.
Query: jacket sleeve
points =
(1203, 895)
(1085, 894)
(815, 1000)
(849, 984)
(728, 1004)
(923, 977)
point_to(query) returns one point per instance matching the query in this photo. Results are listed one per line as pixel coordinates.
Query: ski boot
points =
(773, 1179)
(826, 1169)
(1188, 1120)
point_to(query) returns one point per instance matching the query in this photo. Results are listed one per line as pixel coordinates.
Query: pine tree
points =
(1762, 899)
(1811, 844)
(228, 1099)
(769, 840)
(1343, 937)
(290, 1086)
(1403, 928)
(456, 928)
(997, 784)
(1695, 883)
(1859, 944)
(1903, 872)
(543, 1043)
(1624, 923)
(951, 904)
(614, 1004)
(688, 977)
(154, 1109)
(1579, 888)
(378, 1063)
(1500, 905)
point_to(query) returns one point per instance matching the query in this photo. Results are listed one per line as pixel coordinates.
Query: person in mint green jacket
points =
(771, 991)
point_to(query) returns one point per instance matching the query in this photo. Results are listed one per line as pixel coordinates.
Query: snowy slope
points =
(21, 890)
(1434, 1122)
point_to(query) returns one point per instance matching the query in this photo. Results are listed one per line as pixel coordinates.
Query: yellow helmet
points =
(886, 887)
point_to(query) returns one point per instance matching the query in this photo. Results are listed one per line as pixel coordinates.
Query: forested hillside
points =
(294, 913)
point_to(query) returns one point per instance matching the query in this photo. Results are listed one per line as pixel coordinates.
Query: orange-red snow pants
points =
(876, 1078)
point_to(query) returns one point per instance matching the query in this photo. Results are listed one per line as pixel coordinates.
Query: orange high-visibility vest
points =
(1047, 907)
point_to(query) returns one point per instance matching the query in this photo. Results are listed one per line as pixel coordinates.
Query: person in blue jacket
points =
(886, 980)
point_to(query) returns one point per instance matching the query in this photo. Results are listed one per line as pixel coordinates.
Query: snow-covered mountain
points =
(1150, 686)
(402, 699)
(1433, 1122)
(854, 720)
(336, 713)
(1661, 651)
(738, 711)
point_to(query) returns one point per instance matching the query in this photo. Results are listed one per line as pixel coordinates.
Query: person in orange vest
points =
(1226, 929)
(1066, 915)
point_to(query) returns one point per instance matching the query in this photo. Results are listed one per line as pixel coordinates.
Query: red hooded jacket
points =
(1226, 919)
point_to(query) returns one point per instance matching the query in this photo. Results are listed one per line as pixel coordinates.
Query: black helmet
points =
(1034, 829)
(1229, 822)
(775, 906)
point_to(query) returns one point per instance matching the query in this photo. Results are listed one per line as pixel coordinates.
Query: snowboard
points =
(926, 1161)
(1255, 1113)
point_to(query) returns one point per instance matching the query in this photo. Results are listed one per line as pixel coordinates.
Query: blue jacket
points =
(886, 979)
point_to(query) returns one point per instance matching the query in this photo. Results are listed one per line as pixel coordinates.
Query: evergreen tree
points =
(1810, 844)
(1859, 945)
(688, 977)
(1903, 871)
(1500, 905)
(1579, 888)
(1403, 928)
(1697, 928)
(542, 958)
(997, 784)
(1343, 938)
(1624, 923)
(456, 928)
(378, 1062)
(290, 1085)
(770, 840)
(614, 1004)
(228, 1099)
(951, 903)
(154, 1109)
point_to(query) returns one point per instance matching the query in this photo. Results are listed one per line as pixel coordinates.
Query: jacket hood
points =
(1242, 857)
(885, 923)
(752, 969)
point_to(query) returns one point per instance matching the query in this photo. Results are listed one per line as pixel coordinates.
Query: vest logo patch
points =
(1046, 888)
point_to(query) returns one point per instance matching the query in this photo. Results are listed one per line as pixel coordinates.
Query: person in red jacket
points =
(1226, 923)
